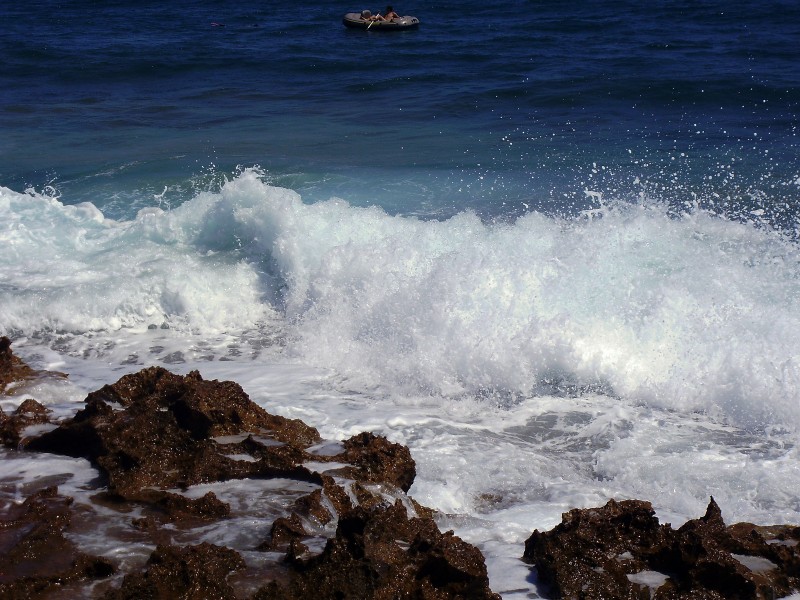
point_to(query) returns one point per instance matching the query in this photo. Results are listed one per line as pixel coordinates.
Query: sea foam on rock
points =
(12, 369)
(35, 556)
(351, 533)
(153, 435)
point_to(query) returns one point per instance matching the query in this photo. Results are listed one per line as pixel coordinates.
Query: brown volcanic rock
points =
(35, 557)
(11, 368)
(312, 506)
(597, 553)
(287, 531)
(179, 507)
(193, 572)
(284, 532)
(30, 412)
(379, 460)
(203, 408)
(578, 557)
(155, 429)
(381, 553)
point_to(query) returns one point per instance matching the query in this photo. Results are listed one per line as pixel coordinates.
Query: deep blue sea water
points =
(555, 242)
(487, 103)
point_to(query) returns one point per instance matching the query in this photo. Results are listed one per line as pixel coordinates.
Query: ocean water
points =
(552, 247)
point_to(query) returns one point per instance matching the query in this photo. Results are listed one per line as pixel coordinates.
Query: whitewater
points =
(531, 364)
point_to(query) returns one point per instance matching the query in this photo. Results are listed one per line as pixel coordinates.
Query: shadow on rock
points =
(621, 551)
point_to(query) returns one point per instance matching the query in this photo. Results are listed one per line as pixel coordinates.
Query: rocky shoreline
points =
(343, 526)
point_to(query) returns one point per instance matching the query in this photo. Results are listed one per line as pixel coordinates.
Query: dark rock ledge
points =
(12, 369)
(355, 535)
(152, 435)
(621, 551)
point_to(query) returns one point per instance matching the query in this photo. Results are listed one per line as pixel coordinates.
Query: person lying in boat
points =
(389, 14)
(367, 15)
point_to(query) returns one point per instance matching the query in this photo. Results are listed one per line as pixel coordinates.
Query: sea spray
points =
(691, 312)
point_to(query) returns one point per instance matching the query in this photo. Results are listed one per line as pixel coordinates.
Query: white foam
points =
(649, 579)
(531, 367)
(756, 564)
(696, 313)
(68, 270)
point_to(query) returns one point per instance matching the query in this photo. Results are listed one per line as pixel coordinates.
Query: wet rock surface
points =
(35, 557)
(380, 552)
(377, 459)
(621, 551)
(11, 367)
(14, 427)
(154, 430)
(199, 571)
(340, 524)
(14, 371)
(153, 436)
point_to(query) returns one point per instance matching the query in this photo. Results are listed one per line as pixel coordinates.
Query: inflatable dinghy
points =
(357, 21)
